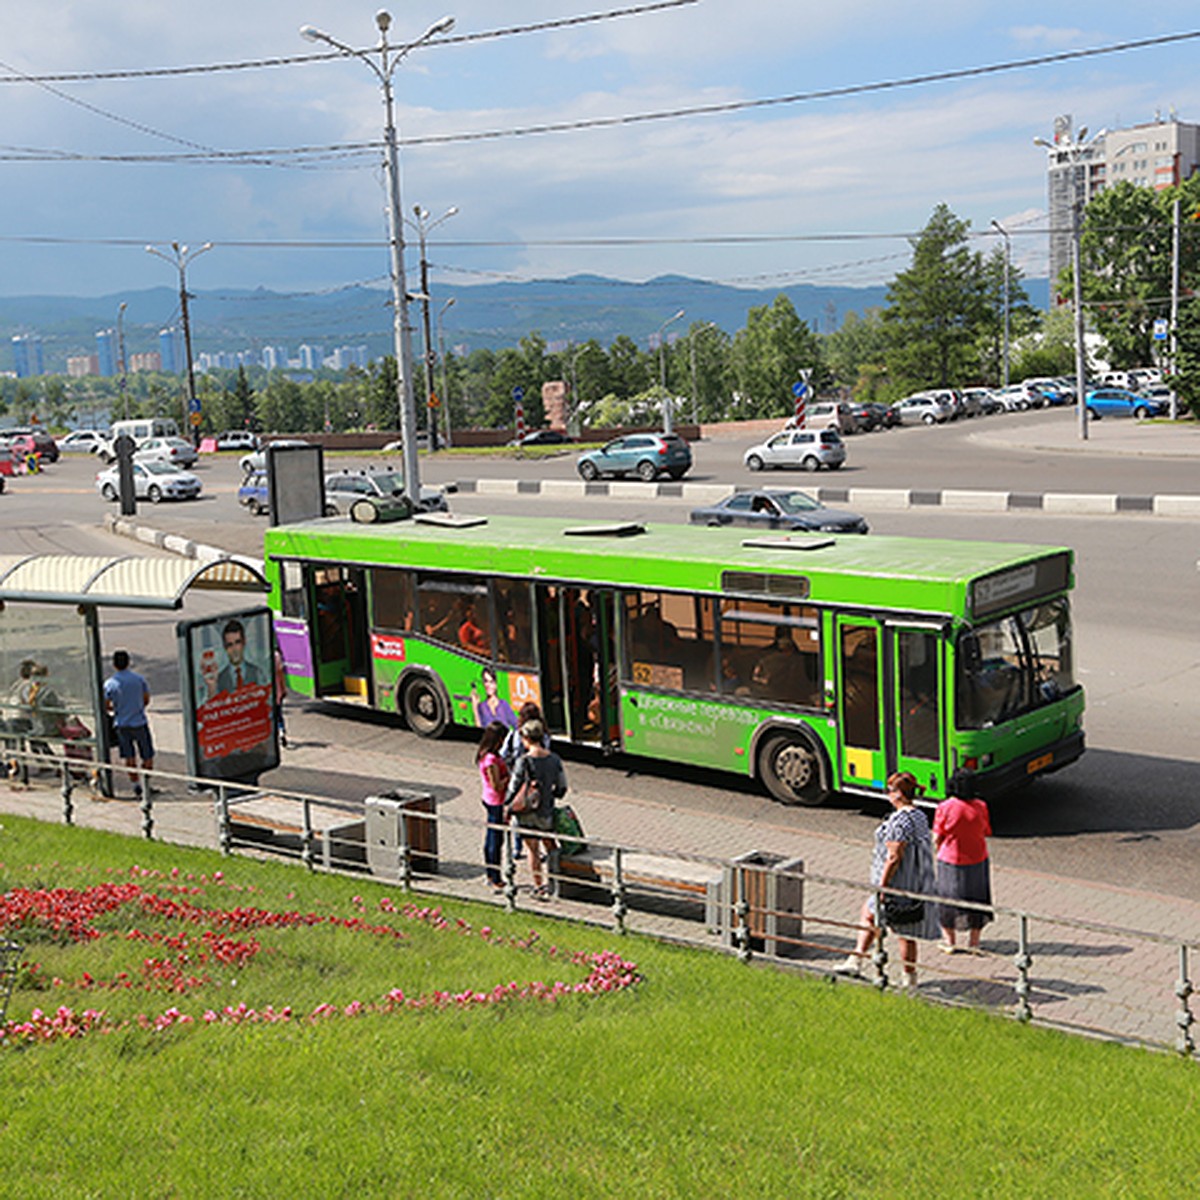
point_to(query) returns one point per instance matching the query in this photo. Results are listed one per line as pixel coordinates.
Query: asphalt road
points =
(1127, 813)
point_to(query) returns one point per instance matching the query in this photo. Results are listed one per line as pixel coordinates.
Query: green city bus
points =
(813, 664)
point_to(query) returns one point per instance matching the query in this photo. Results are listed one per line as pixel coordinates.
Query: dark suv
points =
(43, 443)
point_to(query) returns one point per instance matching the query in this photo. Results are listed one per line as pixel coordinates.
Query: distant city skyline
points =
(768, 188)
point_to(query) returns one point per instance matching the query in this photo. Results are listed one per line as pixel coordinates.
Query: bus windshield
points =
(1014, 664)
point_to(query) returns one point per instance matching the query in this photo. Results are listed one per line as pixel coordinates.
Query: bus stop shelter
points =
(51, 673)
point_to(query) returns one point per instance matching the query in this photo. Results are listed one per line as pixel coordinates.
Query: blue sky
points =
(839, 182)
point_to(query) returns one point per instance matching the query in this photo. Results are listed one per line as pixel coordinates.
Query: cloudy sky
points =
(819, 190)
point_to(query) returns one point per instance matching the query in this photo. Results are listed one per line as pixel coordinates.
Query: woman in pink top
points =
(494, 772)
(960, 831)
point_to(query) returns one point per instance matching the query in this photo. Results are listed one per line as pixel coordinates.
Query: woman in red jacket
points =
(961, 828)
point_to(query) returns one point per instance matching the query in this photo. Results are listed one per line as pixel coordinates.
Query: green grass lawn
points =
(704, 1078)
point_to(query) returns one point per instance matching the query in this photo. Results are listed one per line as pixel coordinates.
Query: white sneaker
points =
(852, 966)
(908, 980)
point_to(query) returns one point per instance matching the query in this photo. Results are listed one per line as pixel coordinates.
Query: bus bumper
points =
(1021, 770)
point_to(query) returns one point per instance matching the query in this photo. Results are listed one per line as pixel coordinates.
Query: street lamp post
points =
(389, 58)
(423, 226)
(122, 383)
(668, 415)
(1074, 151)
(1007, 271)
(442, 358)
(695, 329)
(179, 258)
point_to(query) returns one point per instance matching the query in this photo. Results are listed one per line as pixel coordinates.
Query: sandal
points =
(541, 893)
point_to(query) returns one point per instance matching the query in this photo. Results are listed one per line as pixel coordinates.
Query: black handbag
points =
(901, 910)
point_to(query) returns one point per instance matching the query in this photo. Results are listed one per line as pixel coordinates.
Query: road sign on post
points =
(1160, 329)
(800, 392)
(518, 395)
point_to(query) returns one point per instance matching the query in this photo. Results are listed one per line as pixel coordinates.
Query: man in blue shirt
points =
(126, 693)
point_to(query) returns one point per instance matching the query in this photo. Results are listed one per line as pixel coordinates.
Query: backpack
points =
(569, 831)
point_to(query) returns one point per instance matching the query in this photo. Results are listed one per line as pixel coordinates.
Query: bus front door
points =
(339, 634)
(915, 690)
(861, 703)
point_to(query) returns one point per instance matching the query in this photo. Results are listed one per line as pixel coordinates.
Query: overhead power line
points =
(291, 60)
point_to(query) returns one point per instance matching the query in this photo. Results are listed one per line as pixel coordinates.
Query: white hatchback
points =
(807, 448)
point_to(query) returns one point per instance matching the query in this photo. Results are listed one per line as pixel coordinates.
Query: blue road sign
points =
(518, 394)
(194, 404)
(799, 388)
(1160, 329)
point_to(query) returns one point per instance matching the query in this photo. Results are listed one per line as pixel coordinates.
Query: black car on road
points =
(770, 508)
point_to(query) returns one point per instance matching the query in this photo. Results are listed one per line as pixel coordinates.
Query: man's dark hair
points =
(121, 659)
(233, 626)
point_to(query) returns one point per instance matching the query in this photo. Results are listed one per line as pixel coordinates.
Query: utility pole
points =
(1007, 270)
(122, 382)
(1174, 304)
(423, 227)
(442, 358)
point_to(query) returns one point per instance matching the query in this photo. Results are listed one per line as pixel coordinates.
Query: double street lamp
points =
(390, 58)
(668, 415)
(179, 258)
(423, 226)
(1074, 151)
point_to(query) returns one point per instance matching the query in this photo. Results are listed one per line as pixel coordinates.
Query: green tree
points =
(1023, 318)
(856, 351)
(1125, 260)
(1186, 379)
(708, 349)
(768, 355)
(632, 370)
(1048, 351)
(935, 308)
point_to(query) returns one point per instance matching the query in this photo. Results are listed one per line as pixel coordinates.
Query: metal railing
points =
(1088, 976)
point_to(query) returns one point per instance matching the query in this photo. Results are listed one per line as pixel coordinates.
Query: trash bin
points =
(394, 819)
(773, 887)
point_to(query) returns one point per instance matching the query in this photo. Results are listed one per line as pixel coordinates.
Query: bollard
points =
(1185, 1043)
(619, 907)
(68, 787)
(1023, 962)
(308, 837)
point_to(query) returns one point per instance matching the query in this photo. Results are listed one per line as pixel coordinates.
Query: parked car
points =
(23, 447)
(886, 417)
(541, 437)
(865, 416)
(1119, 402)
(646, 455)
(8, 460)
(141, 429)
(979, 402)
(39, 439)
(258, 458)
(397, 446)
(85, 440)
(1056, 396)
(169, 450)
(827, 414)
(153, 481)
(778, 509)
(914, 410)
(807, 448)
(343, 488)
(253, 492)
(1019, 398)
(237, 439)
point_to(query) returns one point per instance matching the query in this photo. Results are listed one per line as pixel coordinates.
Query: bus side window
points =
(514, 620)
(919, 710)
(771, 651)
(668, 640)
(391, 599)
(292, 586)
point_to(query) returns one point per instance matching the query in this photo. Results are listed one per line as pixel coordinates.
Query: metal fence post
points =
(741, 909)
(307, 857)
(619, 907)
(1185, 1043)
(147, 807)
(224, 833)
(510, 869)
(405, 853)
(1023, 963)
(880, 958)
(68, 787)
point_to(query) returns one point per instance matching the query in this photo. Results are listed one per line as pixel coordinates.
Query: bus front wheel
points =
(790, 768)
(424, 708)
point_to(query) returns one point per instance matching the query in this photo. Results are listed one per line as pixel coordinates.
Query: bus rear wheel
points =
(791, 769)
(424, 709)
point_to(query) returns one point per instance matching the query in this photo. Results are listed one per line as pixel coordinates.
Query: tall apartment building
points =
(81, 365)
(170, 349)
(150, 360)
(312, 358)
(1159, 154)
(106, 351)
(27, 355)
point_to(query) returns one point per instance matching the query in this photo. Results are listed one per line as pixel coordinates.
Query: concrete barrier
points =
(1078, 504)
(1177, 506)
(886, 499)
(970, 501)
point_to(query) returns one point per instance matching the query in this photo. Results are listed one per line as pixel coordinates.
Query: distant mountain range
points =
(491, 315)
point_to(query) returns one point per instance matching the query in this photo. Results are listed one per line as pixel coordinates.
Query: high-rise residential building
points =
(27, 355)
(274, 358)
(1159, 154)
(106, 351)
(348, 356)
(170, 349)
(312, 358)
(150, 360)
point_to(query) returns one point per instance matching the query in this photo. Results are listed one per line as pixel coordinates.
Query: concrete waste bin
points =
(773, 886)
(398, 819)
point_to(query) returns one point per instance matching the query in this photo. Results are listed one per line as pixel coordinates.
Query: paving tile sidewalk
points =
(1107, 980)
